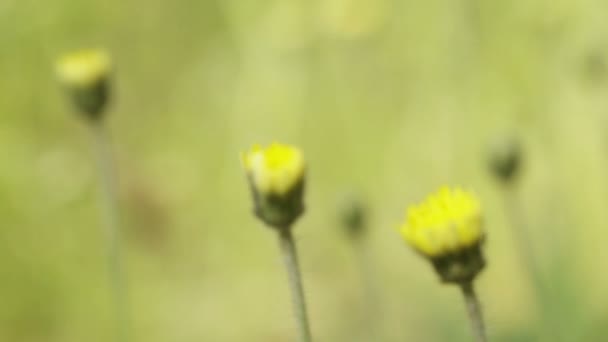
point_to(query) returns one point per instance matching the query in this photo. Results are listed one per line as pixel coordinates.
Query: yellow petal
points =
(83, 68)
(448, 221)
(276, 169)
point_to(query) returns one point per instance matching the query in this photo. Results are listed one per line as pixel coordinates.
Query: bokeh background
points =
(388, 99)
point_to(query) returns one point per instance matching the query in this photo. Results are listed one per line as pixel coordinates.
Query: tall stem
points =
(370, 294)
(111, 227)
(521, 236)
(290, 258)
(474, 310)
(528, 258)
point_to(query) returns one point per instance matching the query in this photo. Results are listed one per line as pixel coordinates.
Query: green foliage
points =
(390, 97)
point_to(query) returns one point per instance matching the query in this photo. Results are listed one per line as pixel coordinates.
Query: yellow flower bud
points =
(85, 75)
(276, 169)
(447, 228)
(83, 68)
(276, 176)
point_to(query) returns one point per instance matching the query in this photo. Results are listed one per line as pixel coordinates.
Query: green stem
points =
(111, 222)
(521, 236)
(473, 16)
(370, 294)
(528, 258)
(290, 258)
(474, 310)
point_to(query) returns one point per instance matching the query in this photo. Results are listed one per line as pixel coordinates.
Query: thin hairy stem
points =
(290, 258)
(111, 227)
(528, 258)
(474, 311)
(520, 234)
(370, 293)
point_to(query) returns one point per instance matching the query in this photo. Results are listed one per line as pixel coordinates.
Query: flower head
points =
(83, 68)
(447, 229)
(275, 169)
(276, 176)
(445, 223)
(85, 76)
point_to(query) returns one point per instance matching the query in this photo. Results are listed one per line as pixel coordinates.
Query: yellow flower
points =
(448, 222)
(84, 68)
(274, 170)
(85, 76)
(276, 177)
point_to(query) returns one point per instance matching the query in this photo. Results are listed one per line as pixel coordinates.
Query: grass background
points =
(387, 98)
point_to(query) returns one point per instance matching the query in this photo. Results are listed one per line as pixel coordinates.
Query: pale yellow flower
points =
(84, 68)
(447, 222)
(274, 170)
(353, 19)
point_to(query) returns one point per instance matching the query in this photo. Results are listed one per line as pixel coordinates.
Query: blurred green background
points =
(387, 98)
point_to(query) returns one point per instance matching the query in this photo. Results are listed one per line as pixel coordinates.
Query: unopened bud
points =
(276, 177)
(505, 158)
(353, 216)
(85, 76)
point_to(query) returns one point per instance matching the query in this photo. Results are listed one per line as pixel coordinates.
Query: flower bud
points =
(353, 216)
(85, 76)
(505, 159)
(276, 177)
(447, 229)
